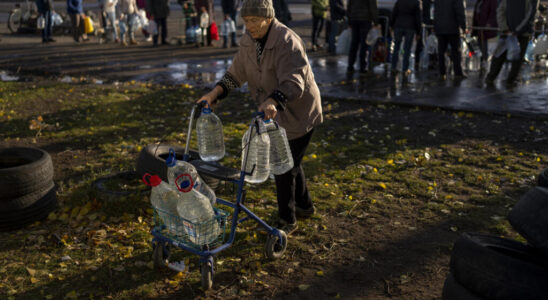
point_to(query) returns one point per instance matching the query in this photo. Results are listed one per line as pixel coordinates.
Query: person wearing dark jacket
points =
(406, 22)
(336, 8)
(76, 13)
(517, 18)
(485, 15)
(159, 11)
(282, 11)
(45, 8)
(361, 15)
(427, 6)
(449, 20)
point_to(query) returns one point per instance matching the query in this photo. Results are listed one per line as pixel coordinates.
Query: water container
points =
(164, 199)
(177, 167)
(211, 145)
(281, 159)
(256, 153)
(199, 222)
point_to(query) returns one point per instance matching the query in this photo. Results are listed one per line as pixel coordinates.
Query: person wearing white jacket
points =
(204, 23)
(128, 10)
(108, 8)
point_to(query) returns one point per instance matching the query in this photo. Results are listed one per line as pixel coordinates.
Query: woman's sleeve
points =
(290, 70)
(234, 77)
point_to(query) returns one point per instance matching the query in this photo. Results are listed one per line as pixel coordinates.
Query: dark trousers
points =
(160, 23)
(408, 35)
(443, 41)
(498, 62)
(46, 32)
(359, 35)
(75, 20)
(291, 187)
(317, 25)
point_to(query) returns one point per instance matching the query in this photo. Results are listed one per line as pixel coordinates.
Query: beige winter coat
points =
(284, 66)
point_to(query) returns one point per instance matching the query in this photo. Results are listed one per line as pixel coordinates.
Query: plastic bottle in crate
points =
(199, 221)
(256, 153)
(178, 167)
(281, 159)
(209, 129)
(164, 199)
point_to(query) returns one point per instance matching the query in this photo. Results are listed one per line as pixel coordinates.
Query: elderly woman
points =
(272, 60)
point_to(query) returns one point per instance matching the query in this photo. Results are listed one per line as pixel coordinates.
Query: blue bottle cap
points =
(171, 160)
(206, 110)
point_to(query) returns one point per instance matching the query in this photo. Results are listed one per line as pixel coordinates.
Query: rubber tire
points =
(99, 184)
(497, 268)
(160, 255)
(207, 276)
(39, 210)
(452, 290)
(152, 160)
(24, 171)
(529, 217)
(543, 178)
(272, 249)
(26, 200)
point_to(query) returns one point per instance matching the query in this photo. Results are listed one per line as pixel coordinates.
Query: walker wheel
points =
(275, 248)
(160, 255)
(207, 281)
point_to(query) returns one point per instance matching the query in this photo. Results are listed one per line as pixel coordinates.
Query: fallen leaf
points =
(32, 272)
(303, 287)
(320, 273)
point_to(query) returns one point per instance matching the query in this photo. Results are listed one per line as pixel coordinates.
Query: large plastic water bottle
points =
(209, 129)
(177, 167)
(256, 153)
(201, 225)
(281, 159)
(164, 199)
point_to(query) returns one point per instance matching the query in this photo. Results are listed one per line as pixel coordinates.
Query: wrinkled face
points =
(257, 26)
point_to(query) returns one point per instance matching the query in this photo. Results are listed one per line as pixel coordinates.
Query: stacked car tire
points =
(27, 190)
(489, 267)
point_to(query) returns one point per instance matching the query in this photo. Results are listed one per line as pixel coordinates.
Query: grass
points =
(382, 170)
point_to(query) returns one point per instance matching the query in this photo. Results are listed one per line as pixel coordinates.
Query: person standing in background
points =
(45, 8)
(406, 23)
(361, 15)
(129, 11)
(208, 5)
(76, 13)
(108, 10)
(231, 8)
(517, 18)
(337, 12)
(449, 21)
(159, 11)
(485, 15)
(428, 21)
(281, 10)
(319, 12)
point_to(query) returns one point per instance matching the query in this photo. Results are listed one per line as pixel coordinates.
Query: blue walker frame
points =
(206, 255)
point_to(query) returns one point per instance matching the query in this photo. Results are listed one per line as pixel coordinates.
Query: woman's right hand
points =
(211, 97)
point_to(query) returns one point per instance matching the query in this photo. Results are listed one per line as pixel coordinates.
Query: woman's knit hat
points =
(257, 8)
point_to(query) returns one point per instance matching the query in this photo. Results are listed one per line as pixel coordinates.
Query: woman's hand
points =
(211, 97)
(269, 108)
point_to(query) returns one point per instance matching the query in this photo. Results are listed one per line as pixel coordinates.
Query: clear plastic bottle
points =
(281, 159)
(256, 146)
(177, 167)
(164, 199)
(202, 227)
(209, 130)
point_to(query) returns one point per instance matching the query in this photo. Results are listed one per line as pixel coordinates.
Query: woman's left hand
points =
(269, 108)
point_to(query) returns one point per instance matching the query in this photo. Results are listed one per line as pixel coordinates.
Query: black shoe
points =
(349, 70)
(305, 212)
(489, 82)
(288, 228)
(51, 40)
(363, 71)
(44, 41)
(461, 76)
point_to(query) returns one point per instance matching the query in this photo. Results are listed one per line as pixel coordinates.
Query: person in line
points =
(108, 10)
(208, 5)
(285, 92)
(449, 21)
(361, 15)
(231, 8)
(142, 5)
(204, 25)
(159, 11)
(406, 23)
(75, 10)
(485, 15)
(337, 12)
(228, 28)
(127, 21)
(517, 18)
(281, 10)
(319, 13)
(428, 21)
(45, 9)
